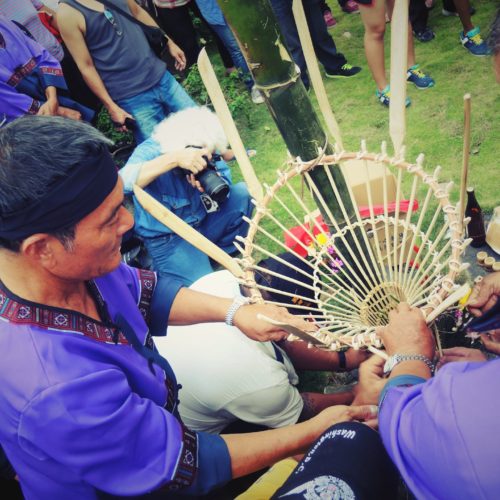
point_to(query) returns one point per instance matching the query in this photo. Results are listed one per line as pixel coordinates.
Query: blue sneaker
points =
(419, 78)
(384, 97)
(473, 42)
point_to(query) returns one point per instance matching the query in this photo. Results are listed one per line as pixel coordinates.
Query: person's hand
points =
(257, 329)
(192, 159)
(118, 117)
(407, 332)
(460, 354)
(48, 108)
(371, 381)
(340, 413)
(484, 294)
(354, 357)
(491, 341)
(178, 54)
(69, 113)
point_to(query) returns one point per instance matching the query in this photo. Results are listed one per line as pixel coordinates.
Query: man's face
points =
(95, 250)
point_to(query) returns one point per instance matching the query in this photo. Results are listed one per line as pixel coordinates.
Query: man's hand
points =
(69, 113)
(178, 54)
(118, 117)
(491, 341)
(407, 332)
(340, 413)
(192, 159)
(484, 294)
(371, 381)
(49, 108)
(247, 321)
(460, 354)
(354, 357)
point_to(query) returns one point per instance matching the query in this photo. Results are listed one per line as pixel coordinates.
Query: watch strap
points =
(233, 308)
(397, 358)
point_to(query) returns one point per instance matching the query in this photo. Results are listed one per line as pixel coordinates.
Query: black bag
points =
(155, 36)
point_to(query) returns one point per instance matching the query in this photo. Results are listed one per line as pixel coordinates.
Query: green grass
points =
(434, 120)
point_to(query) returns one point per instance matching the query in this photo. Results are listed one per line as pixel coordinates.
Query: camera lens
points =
(214, 185)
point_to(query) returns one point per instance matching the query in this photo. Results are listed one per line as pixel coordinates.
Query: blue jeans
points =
(151, 106)
(323, 43)
(173, 256)
(227, 37)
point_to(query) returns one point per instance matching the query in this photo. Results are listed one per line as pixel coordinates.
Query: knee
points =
(241, 198)
(375, 32)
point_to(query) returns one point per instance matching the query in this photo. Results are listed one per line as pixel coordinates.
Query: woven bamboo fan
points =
(398, 250)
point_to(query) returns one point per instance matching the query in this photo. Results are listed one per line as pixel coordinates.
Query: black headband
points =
(66, 202)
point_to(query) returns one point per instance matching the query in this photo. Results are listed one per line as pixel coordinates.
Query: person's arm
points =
(304, 358)
(51, 105)
(315, 402)
(254, 451)
(175, 51)
(72, 28)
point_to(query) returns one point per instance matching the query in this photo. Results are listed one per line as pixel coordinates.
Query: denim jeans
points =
(151, 106)
(227, 37)
(173, 256)
(323, 43)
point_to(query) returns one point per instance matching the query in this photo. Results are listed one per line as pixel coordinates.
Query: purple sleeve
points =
(109, 436)
(15, 104)
(437, 433)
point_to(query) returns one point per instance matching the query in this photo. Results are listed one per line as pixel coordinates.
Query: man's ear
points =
(40, 248)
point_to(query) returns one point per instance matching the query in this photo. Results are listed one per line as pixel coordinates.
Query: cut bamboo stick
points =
(449, 301)
(465, 159)
(399, 67)
(219, 102)
(314, 73)
(185, 231)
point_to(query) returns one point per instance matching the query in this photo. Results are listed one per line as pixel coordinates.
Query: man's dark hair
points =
(494, 36)
(36, 151)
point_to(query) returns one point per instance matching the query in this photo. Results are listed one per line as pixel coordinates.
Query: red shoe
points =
(350, 7)
(330, 21)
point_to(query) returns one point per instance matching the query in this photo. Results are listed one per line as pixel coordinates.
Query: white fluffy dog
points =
(191, 127)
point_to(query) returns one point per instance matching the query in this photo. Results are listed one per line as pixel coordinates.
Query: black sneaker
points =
(426, 35)
(344, 71)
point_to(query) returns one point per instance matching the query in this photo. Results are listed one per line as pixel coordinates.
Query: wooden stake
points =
(399, 67)
(451, 299)
(220, 105)
(314, 73)
(185, 231)
(465, 160)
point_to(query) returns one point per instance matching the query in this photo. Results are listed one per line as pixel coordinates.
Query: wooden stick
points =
(220, 105)
(399, 67)
(185, 231)
(314, 73)
(450, 300)
(465, 160)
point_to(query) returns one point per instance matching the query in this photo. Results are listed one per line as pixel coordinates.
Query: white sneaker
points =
(256, 95)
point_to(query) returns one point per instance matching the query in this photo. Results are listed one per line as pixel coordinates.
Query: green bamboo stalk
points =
(258, 34)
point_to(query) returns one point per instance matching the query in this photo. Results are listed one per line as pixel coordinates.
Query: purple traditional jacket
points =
(443, 434)
(26, 70)
(81, 411)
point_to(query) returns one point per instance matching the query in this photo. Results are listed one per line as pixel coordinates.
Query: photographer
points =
(170, 166)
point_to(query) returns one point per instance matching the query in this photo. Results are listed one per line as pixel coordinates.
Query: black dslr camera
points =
(216, 188)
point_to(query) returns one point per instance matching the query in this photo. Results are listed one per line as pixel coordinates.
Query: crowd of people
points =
(96, 400)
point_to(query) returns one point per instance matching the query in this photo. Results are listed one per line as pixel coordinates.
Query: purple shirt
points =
(81, 410)
(443, 434)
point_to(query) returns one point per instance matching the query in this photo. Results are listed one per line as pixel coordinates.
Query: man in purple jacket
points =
(441, 432)
(87, 405)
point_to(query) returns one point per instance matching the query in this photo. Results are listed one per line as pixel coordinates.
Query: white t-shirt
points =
(226, 376)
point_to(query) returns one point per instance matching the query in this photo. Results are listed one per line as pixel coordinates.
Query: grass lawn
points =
(434, 120)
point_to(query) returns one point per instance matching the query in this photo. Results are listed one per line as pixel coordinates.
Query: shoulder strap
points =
(130, 17)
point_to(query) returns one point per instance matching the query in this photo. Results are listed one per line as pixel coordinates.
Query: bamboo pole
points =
(185, 231)
(465, 159)
(314, 73)
(220, 105)
(399, 66)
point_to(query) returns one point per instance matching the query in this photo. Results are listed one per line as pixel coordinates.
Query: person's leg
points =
(172, 95)
(373, 17)
(173, 256)
(462, 8)
(284, 15)
(323, 43)
(178, 25)
(470, 37)
(223, 226)
(419, 15)
(146, 110)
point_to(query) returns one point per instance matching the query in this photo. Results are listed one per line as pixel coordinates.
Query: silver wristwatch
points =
(233, 308)
(398, 358)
